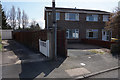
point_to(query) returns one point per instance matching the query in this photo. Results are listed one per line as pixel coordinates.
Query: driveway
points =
(15, 53)
(80, 62)
(91, 57)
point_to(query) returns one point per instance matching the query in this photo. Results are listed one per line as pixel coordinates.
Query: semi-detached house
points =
(80, 23)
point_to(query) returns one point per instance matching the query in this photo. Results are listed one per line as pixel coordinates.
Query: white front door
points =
(105, 35)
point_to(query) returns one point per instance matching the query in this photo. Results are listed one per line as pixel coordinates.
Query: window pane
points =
(57, 16)
(66, 16)
(70, 34)
(95, 17)
(71, 16)
(77, 35)
(92, 18)
(73, 32)
(67, 33)
(105, 17)
(77, 17)
(95, 34)
(90, 34)
(107, 37)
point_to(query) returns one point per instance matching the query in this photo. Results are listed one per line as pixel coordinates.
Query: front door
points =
(106, 35)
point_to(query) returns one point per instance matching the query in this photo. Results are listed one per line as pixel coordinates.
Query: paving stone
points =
(77, 71)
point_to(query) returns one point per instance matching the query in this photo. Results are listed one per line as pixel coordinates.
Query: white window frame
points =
(95, 33)
(95, 17)
(105, 18)
(67, 32)
(76, 32)
(67, 16)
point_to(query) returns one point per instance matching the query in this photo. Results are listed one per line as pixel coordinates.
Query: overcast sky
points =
(35, 8)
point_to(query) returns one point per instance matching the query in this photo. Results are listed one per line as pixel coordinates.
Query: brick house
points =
(79, 23)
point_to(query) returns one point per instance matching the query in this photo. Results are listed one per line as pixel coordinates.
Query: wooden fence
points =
(31, 40)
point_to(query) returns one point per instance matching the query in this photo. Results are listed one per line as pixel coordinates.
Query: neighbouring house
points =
(6, 34)
(80, 23)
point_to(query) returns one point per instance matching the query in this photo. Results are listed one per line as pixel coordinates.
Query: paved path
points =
(15, 53)
(78, 63)
(109, 74)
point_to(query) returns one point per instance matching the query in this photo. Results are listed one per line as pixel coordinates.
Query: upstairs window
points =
(92, 18)
(72, 16)
(105, 17)
(57, 16)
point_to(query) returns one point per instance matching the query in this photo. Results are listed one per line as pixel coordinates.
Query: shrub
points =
(115, 48)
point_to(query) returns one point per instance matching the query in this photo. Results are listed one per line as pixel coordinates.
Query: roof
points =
(77, 10)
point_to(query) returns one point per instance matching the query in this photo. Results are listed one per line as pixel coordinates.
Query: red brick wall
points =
(101, 43)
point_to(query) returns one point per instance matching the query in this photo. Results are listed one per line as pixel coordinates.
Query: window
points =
(91, 33)
(92, 18)
(72, 33)
(72, 16)
(105, 17)
(57, 16)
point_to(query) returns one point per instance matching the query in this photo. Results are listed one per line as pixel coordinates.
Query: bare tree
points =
(24, 20)
(114, 25)
(19, 17)
(34, 25)
(12, 17)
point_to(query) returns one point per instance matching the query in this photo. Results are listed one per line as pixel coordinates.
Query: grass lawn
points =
(100, 51)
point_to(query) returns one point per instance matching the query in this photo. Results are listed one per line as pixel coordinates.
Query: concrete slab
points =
(77, 71)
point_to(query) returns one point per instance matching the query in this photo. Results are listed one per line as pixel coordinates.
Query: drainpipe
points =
(47, 20)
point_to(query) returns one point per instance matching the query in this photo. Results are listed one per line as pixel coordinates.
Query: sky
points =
(35, 8)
